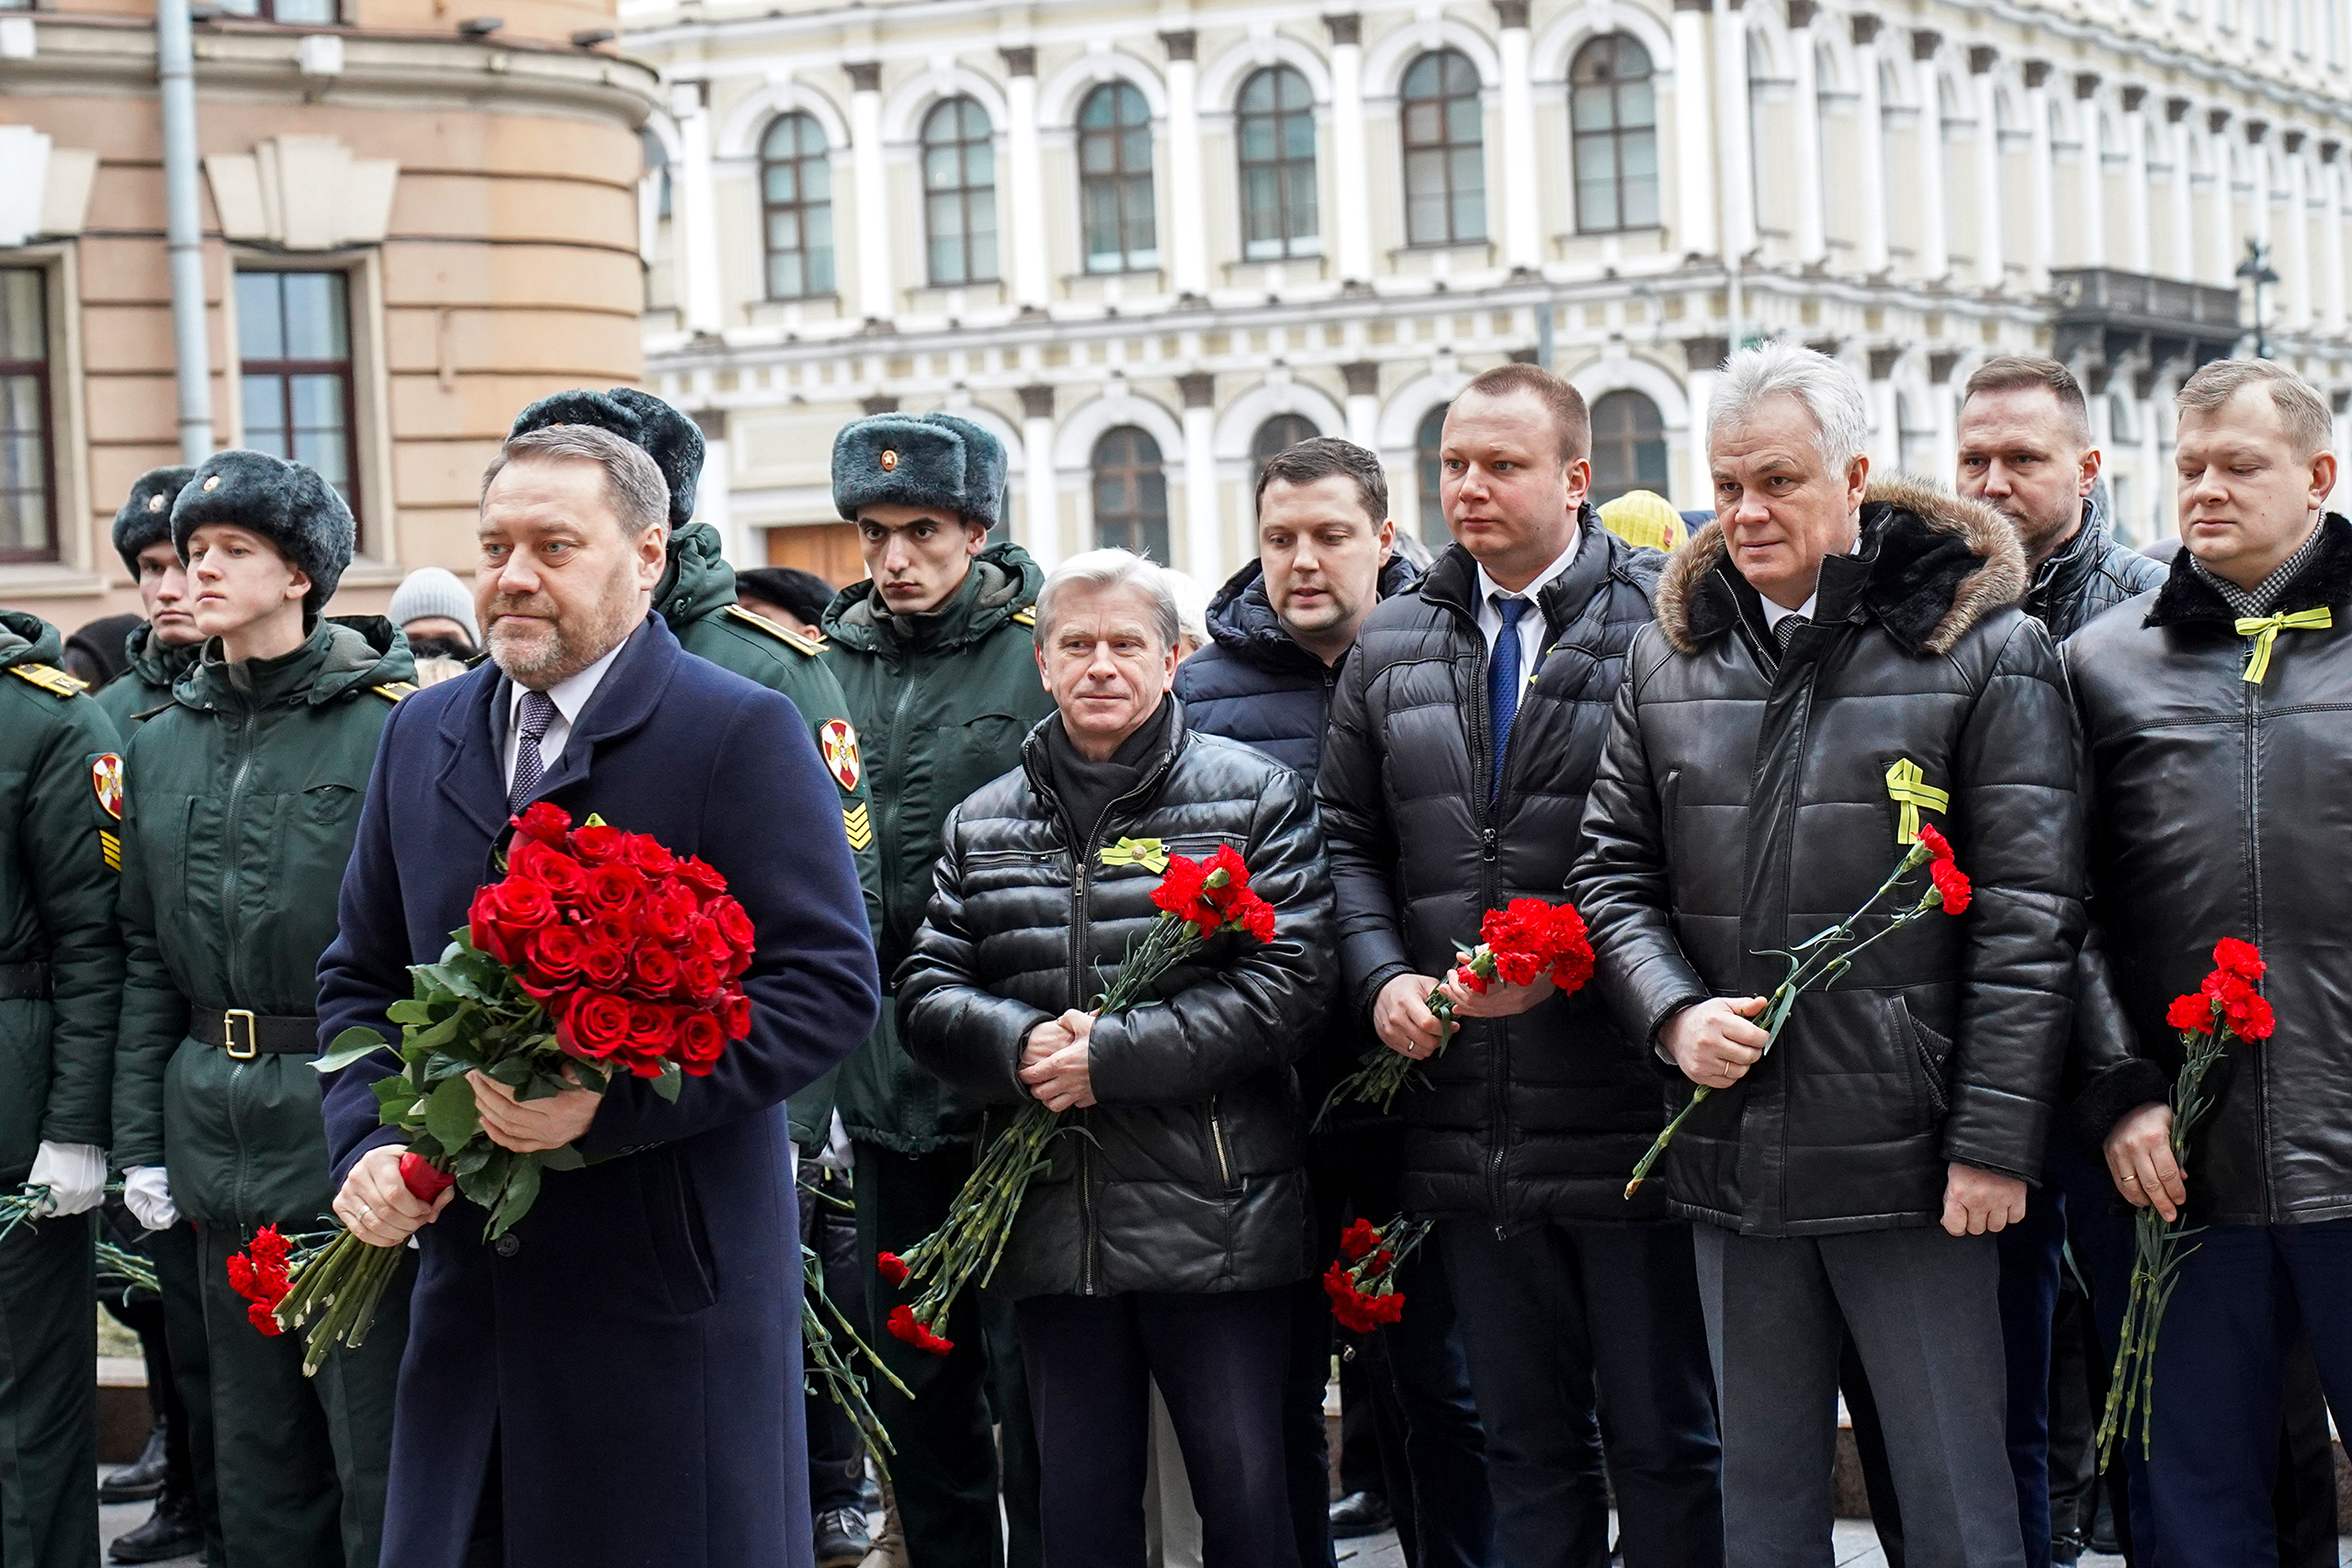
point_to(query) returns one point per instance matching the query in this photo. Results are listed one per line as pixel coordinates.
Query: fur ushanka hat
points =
(290, 504)
(669, 437)
(146, 518)
(932, 461)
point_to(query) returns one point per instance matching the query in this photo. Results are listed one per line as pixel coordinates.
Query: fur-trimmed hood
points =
(1933, 566)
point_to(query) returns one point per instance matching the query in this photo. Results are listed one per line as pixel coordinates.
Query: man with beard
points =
(648, 1303)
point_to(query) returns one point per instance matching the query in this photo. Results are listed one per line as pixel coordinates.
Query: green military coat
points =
(240, 803)
(60, 784)
(146, 685)
(941, 701)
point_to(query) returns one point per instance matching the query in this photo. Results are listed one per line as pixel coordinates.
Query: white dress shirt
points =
(1774, 613)
(569, 695)
(1531, 620)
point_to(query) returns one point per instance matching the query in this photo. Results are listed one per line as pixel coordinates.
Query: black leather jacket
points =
(1187, 1173)
(2089, 577)
(2218, 808)
(1539, 1116)
(1743, 806)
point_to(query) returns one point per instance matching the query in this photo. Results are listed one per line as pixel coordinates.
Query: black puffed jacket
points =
(2218, 808)
(1523, 1118)
(1187, 1174)
(1744, 806)
(2090, 576)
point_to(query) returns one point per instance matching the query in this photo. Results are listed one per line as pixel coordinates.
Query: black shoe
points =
(842, 1541)
(2067, 1550)
(142, 1478)
(171, 1532)
(1361, 1514)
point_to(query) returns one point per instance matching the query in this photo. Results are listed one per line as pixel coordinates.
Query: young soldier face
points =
(1322, 554)
(916, 556)
(2028, 457)
(238, 577)
(560, 582)
(163, 594)
(2248, 497)
(1105, 663)
(1782, 505)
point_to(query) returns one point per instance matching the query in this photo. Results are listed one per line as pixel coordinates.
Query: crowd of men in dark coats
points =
(1713, 755)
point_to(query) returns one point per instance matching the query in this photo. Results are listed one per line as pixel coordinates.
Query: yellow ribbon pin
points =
(2265, 630)
(1145, 853)
(1907, 786)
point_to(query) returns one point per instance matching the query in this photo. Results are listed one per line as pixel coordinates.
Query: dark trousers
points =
(300, 1462)
(1217, 1359)
(49, 1397)
(947, 1471)
(1922, 1309)
(2220, 1380)
(1583, 1339)
(177, 1270)
(836, 1456)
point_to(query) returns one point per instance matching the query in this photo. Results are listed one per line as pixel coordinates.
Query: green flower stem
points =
(1381, 1074)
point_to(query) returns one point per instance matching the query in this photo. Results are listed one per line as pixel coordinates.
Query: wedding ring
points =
(2132, 1179)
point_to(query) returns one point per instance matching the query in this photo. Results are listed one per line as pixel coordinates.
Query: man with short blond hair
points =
(2215, 714)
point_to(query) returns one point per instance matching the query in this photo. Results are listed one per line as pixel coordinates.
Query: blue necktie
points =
(1502, 682)
(538, 712)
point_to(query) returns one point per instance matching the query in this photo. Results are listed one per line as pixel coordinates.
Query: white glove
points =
(147, 1193)
(75, 1175)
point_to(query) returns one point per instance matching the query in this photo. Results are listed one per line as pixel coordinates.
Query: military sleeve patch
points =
(799, 642)
(838, 741)
(859, 824)
(1024, 617)
(111, 847)
(56, 681)
(105, 780)
(393, 691)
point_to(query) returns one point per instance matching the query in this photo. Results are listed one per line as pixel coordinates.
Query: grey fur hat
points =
(288, 503)
(669, 437)
(928, 460)
(146, 518)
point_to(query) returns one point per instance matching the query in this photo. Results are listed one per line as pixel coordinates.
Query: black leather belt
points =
(21, 980)
(245, 1035)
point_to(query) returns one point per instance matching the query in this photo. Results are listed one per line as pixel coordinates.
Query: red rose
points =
(704, 937)
(603, 963)
(1938, 845)
(1358, 1240)
(733, 924)
(599, 843)
(668, 914)
(483, 932)
(653, 1034)
(559, 873)
(698, 875)
(552, 954)
(594, 1026)
(2242, 958)
(891, 1267)
(1952, 883)
(612, 889)
(654, 970)
(2192, 1014)
(422, 1180)
(700, 1042)
(735, 1013)
(544, 821)
(645, 852)
(700, 976)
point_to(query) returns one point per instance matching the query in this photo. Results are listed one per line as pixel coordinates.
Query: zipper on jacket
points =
(235, 993)
(886, 838)
(1216, 1134)
(2251, 708)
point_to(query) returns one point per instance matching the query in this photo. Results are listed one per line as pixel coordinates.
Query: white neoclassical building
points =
(1148, 244)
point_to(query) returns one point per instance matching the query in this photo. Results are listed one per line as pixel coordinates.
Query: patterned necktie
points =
(1786, 632)
(1502, 682)
(538, 712)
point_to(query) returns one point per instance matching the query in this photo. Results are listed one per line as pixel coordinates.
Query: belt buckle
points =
(228, 1034)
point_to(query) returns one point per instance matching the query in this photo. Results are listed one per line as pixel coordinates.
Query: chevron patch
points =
(859, 824)
(110, 847)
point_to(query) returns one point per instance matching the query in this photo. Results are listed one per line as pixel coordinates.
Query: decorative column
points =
(1870, 137)
(2296, 254)
(1694, 135)
(2153, 390)
(1025, 181)
(1354, 204)
(1734, 129)
(1523, 211)
(1203, 549)
(2040, 176)
(714, 491)
(1935, 245)
(874, 292)
(698, 216)
(2221, 237)
(2331, 232)
(1943, 410)
(1041, 505)
(1189, 233)
(1992, 269)
(2257, 158)
(1886, 412)
(2138, 242)
(1364, 402)
(2182, 262)
(2092, 202)
(1703, 359)
(1812, 230)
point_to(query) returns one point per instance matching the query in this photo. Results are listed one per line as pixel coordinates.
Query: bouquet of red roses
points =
(1196, 899)
(1520, 942)
(2225, 1007)
(598, 952)
(1361, 1282)
(1822, 957)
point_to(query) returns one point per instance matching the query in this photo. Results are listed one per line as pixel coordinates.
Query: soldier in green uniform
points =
(162, 647)
(60, 980)
(935, 652)
(243, 799)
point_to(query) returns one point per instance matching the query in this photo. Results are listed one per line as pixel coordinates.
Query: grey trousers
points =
(1923, 1310)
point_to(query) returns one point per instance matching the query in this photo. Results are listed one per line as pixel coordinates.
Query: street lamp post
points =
(2256, 269)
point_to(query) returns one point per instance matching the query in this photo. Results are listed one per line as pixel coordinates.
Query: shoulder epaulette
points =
(800, 641)
(50, 679)
(1025, 617)
(393, 691)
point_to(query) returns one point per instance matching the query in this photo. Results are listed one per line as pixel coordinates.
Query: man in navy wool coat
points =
(616, 1382)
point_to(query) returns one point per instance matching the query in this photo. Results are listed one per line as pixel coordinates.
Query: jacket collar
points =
(2187, 599)
(2063, 574)
(28, 639)
(343, 654)
(153, 662)
(1039, 772)
(1453, 578)
(1242, 622)
(1932, 567)
(697, 579)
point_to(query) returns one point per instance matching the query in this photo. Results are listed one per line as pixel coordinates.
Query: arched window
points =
(960, 193)
(1615, 115)
(796, 202)
(1428, 442)
(1278, 434)
(1628, 445)
(1115, 179)
(1445, 151)
(1274, 129)
(1130, 493)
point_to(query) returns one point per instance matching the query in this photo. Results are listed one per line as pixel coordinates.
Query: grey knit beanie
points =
(435, 591)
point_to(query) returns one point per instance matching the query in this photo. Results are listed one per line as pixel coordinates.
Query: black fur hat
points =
(146, 518)
(930, 460)
(669, 437)
(286, 503)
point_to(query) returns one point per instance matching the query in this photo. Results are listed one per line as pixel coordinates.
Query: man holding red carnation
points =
(648, 1303)
(2218, 712)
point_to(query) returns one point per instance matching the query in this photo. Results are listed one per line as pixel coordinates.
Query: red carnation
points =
(259, 1274)
(905, 1325)
(1256, 916)
(2241, 958)
(1223, 895)
(2225, 987)
(893, 1267)
(1181, 891)
(2251, 1019)
(1358, 1240)
(1938, 845)
(1471, 979)
(2192, 1013)
(1952, 882)
(544, 821)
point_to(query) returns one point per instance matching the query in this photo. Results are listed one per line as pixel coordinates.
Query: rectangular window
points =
(27, 493)
(313, 13)
(294, 354)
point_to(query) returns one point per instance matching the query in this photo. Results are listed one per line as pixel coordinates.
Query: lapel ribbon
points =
(1906, 788)
(2265, 630)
